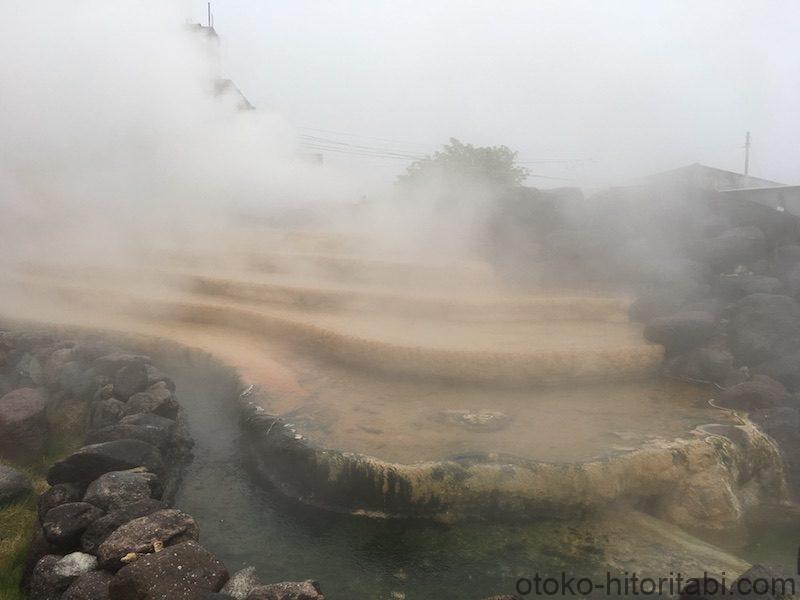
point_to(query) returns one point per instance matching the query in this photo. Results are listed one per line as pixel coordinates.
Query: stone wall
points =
(106, 526)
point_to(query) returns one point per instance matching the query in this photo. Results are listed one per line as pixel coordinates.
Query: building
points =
(780, 197)
(226, 87)
(773, 194)
(221, 86)
(708, 178)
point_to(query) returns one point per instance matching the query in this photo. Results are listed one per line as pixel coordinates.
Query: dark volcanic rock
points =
(155, 376)
(98, 531)
(150, 420)
(64, 524)
(72, 566)
(44, 583)
(290, 590)
(703, 364)
(786, 258)
(57, 495)
(792, 281)
(54, 574)
(110, 364)
(783, 425)
(681, 331)
(734, 247)
(241, 583)
(89, 586)
(737, 376)
(54, 365)
(764, 327)
(71, 378)
(38, 547)
(660, 303)
(88, 463)
(759, 392)
(702, 588)
(28, 340)
(106, 412)
(105, 391)
(712, 306)
(8, 383)
(757, 578)
(785, 369)
(761, 267)
(29, 372)
(147, 427)
(738, 286)
(181, 572)
(118, 488)
(158, 399)
(130, 379)
(23, 427)
(89, 350)
(13, 484)
(169, 526)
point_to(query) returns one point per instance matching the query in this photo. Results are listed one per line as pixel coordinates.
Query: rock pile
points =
(106, 528)
(738, 327)
(23, 426)
(717, 281)
(13, 484)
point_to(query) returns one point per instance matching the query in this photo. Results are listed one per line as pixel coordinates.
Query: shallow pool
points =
(245, 522)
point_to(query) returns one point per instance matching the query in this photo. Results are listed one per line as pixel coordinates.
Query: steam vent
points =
(392, 387)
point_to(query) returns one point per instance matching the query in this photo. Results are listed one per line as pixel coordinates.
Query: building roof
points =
(765, 188)
(226, 86)
(200, 28)
(710, 178)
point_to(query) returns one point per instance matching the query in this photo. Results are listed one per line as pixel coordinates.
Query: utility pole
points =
(209, 20)
(747, 153)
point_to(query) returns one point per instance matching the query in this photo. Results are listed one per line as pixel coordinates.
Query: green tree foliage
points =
(495, 165)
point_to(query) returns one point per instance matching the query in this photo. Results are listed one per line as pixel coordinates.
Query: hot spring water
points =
(245, 522)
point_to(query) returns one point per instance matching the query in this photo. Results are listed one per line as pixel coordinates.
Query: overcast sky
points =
(633, 86)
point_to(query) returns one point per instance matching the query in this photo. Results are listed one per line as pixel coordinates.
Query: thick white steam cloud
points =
(112, 134)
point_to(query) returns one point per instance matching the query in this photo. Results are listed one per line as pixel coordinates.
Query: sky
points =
(616, 88)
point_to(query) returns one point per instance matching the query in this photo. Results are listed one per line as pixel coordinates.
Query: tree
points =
(494, 165)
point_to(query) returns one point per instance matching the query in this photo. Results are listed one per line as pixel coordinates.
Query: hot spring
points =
(390, 427)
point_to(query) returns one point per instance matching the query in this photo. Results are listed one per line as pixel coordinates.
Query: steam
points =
(114, 140)
(112, 136)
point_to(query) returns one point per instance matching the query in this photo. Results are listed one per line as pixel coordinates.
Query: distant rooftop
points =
(226, 86)
(199, 28)
(706, 177)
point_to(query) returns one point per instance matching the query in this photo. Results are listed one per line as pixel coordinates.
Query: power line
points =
(389, 157)
(366, 137)
(354, 152)
(549, 177)
(314, 140)
(366, 154)
(554, 161)
(417, 145)
(400, 150)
